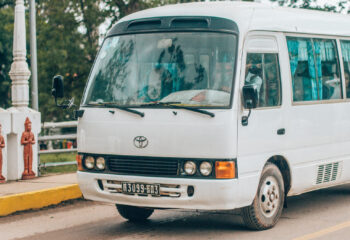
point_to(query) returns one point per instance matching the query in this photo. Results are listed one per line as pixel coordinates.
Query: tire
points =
(267, 206)
(134, 214)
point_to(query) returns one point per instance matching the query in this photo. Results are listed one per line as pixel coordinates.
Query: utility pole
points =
(33, 58)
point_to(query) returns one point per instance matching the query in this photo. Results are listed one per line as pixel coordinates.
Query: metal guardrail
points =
(57, 125)
(55, 164)
(52, 125)
(58, 137)
(65, 150)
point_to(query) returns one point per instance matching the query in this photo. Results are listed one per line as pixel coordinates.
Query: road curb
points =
(38, 199)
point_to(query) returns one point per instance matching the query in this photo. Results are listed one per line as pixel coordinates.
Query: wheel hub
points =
(269, 197)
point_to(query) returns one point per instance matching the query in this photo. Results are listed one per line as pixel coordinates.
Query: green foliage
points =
(6, 3)
(57, 157)
(337, 6)
(121, 8)
(68, 40)
(6, 38)
(59, 169)
(67, 44)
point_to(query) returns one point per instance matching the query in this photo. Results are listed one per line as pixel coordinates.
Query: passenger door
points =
(264, 135)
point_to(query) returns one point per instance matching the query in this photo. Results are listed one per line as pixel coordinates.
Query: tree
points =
(67, 45)
(313, 4)
(67, 42)
(6, 3)
(6, 39)
(121, 8)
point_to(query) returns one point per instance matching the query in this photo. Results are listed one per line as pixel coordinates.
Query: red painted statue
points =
(28, 140)
(2, 145)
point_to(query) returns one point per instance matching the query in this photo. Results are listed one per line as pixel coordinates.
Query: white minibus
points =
(216, 106)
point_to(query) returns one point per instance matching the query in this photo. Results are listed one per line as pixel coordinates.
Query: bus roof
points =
(257, 16)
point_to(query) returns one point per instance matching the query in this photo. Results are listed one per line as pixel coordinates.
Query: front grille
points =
(144, 166)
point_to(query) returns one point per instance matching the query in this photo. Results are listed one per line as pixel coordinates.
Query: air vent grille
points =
(335, 171)
(144, 25)
(320, 174)
(327, 173)
(193, 23)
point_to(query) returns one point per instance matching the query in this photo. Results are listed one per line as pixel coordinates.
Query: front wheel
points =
(267, 206)
(134, 214)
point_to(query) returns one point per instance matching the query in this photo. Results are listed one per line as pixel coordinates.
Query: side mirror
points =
(57, 87)
(250, 100)
(57, 92)
(250, 96)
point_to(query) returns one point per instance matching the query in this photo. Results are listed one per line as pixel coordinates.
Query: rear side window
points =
(262, 69)
(314, 68)
(345, 48)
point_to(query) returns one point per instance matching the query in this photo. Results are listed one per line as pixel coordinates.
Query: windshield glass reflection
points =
(193, 69)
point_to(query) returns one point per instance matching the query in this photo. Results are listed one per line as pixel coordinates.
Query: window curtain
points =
(302, 50)
(316, 87)
(345, 48)
(293, 49)
(327, 51)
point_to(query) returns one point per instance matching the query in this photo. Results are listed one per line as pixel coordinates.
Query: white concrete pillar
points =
(5, 122)
(15, 148)
(19, 72)
(19, 75)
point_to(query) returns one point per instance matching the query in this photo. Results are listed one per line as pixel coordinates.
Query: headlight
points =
(89, 162)
(190, 168)
(205, 168)
(100, 163)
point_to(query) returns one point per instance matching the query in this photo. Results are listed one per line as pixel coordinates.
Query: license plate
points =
(140, 188)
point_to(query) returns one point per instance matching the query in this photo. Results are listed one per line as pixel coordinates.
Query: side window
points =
(314, 68)
(262, 69)
(345, 48)
(302, 65)
(328, 68)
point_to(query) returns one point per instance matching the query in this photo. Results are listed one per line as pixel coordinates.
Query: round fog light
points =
(205, 168)
(190, 168)
(89, 162)
(100, 163)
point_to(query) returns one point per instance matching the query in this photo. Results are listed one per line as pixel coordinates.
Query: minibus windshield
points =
(189, 68)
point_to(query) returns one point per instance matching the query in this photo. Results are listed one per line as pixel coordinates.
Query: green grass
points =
(59, 169)
(58, 157)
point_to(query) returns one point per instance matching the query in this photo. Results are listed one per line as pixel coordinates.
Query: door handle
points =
(281, 131)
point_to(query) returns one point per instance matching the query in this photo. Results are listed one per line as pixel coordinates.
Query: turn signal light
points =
(79, 159)
(225, 169)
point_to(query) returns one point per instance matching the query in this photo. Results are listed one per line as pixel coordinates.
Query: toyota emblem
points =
(140, 142)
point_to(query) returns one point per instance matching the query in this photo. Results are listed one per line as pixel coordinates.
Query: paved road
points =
(324, 214)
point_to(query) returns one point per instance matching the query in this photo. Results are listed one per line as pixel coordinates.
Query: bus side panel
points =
(318, 138)
(318, 145)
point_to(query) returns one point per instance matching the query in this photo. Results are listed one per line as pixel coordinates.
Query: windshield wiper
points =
(113, 105)
(159, 104)
(174, 105)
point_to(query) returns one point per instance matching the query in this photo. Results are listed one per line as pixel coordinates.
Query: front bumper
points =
(210, 194)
